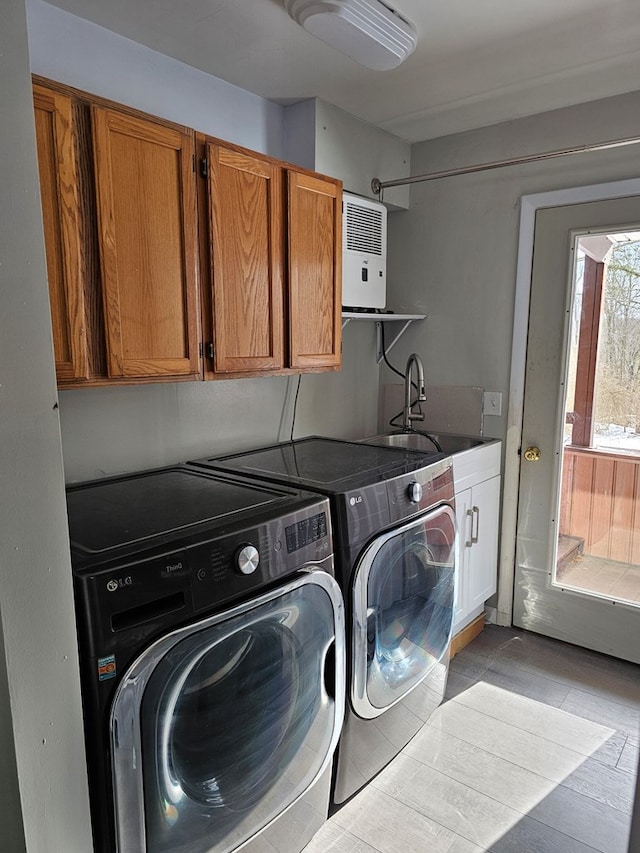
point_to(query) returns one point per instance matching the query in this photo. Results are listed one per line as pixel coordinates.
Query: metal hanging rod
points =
(377, 185)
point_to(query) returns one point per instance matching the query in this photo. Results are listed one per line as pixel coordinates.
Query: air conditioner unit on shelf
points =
(364, 253)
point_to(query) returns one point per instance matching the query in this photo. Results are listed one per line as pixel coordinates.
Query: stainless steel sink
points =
(449, 442)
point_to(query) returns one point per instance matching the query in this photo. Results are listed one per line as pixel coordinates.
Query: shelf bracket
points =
(389, 345)
(379, 319)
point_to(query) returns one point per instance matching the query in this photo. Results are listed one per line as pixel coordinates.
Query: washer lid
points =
(111, 513)
(324, 463)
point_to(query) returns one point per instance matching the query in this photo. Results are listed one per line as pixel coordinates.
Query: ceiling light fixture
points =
(368, 31)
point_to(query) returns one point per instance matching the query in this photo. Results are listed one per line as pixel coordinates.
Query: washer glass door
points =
(403, 604)
(234, 717)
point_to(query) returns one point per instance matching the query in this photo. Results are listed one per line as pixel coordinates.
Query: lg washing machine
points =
(210, 631)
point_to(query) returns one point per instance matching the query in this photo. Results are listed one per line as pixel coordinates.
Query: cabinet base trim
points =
(467, 635)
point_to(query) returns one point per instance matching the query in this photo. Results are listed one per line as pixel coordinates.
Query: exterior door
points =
(541, 602)
(403, 601)
(220, 726)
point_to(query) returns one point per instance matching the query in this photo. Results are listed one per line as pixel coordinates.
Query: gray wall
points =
(42, 768)
(453, 254)
(634, 838)
(42, 765)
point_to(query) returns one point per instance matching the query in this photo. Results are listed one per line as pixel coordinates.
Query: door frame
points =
(529, 205)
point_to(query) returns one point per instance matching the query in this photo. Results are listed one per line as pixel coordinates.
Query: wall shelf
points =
(401, 321)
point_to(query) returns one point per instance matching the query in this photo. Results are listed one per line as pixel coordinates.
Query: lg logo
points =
(356, 500)
(118, 583)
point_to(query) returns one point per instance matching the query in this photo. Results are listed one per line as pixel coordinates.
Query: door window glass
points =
(598, 547)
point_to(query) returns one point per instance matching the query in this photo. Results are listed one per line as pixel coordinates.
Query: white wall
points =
(110, 430)
(42, 767)
(323, 137)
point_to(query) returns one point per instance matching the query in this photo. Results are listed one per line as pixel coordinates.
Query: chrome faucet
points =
(408, 416)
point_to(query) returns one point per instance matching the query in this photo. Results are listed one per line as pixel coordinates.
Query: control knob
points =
(414, 492)
(247, 559)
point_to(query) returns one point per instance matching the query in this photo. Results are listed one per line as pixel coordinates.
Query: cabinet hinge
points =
(193, 161)
(204, 169)
(200, 349)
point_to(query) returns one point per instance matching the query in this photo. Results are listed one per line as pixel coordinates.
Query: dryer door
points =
(403, 601)
(220, 726)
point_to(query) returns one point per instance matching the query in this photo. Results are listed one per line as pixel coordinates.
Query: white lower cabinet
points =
(476, 474)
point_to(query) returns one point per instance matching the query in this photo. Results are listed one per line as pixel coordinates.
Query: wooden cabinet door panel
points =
(145, 186)
(59, 194)
(314, 230)
(246, 237)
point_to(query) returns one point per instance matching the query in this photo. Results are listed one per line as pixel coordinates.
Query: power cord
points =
(295, 407)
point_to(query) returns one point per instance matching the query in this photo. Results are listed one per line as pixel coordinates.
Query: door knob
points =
(532, 454)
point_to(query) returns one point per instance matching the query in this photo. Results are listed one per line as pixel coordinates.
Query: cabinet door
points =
(483, 563)
(145, 184)
(246, 237)
(315, 271)
(463, 523)
(60, 212)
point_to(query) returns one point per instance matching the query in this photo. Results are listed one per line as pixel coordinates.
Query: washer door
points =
(220, 726)
(403, 603)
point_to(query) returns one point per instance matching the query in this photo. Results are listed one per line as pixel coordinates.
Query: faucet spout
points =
(414, 361)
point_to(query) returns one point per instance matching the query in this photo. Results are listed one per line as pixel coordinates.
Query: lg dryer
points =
(394, 536)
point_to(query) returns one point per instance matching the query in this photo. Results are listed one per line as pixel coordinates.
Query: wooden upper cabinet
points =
(57, 165)
(147, 235)
(274, 305)
(128, 237)
(246, 249)
(315, 271)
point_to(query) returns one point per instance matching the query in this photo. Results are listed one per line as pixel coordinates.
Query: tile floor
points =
(535, 750)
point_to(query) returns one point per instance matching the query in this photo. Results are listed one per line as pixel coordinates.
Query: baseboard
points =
(467, 634)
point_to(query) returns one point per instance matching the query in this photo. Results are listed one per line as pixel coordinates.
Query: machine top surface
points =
(133, 509)
(326, 464)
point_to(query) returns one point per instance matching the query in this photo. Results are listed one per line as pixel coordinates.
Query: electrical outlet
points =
(492, 403)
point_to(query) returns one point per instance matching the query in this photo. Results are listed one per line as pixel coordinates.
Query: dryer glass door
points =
(234, 720)
(403, 598)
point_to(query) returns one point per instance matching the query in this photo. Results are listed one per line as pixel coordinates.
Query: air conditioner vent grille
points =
(364, 230)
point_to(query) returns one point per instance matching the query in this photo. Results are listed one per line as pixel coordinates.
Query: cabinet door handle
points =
(475, 511)
(469, 542)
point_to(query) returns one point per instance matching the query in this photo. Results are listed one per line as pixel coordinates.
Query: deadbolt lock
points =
(532, 454)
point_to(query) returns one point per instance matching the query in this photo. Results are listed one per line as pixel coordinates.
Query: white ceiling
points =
(478, 62)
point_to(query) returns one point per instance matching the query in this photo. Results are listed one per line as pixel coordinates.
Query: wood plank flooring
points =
(535, 750)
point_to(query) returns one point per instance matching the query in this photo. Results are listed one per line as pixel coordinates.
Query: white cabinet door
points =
(483, 563)
(477, 511)
(463, 522)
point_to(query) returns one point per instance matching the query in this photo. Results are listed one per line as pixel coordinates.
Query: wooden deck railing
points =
(600, 502)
